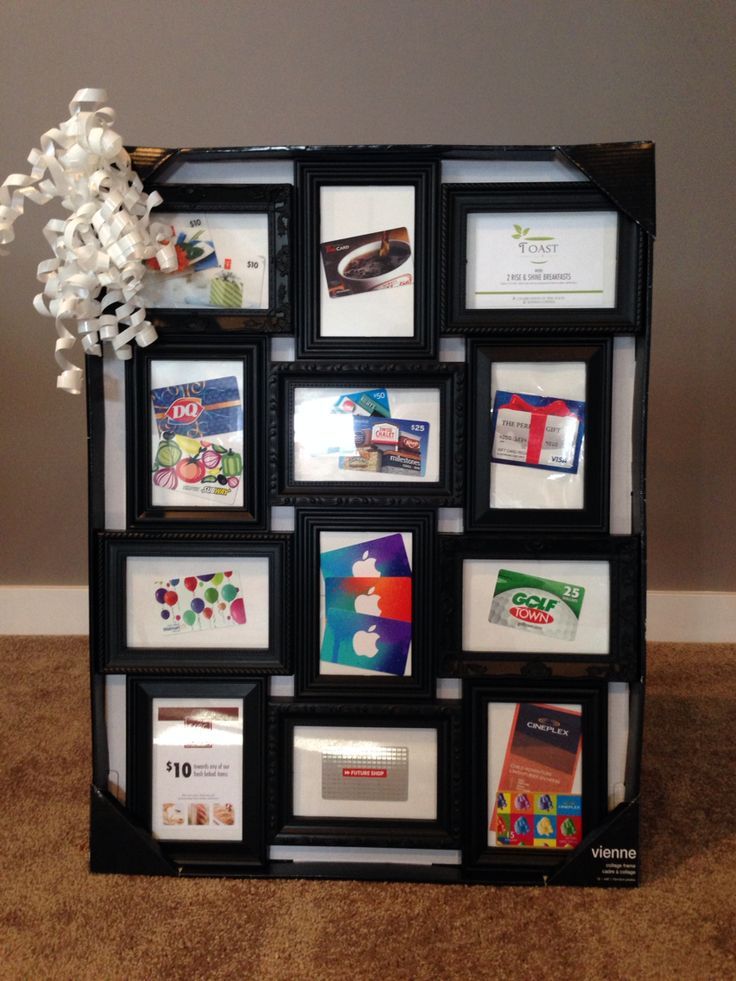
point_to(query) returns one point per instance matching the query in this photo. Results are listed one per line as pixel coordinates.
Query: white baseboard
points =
(44, 610)
(681, 617)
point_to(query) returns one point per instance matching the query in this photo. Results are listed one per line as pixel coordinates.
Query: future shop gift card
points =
(370, 559)
(380, 775)
(360, 641)
(363, 263)
(383, 597)
(199, 408)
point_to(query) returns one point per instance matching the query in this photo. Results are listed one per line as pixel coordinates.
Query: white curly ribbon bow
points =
(101, 246)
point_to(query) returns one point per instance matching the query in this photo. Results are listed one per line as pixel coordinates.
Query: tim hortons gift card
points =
(364, 263)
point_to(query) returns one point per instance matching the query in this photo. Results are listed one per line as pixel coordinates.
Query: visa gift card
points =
(199, 408)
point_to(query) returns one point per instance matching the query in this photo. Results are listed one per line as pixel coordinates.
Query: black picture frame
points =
(421, 524)
(623, 553)
(460, 200)
(597, 356)
(515, 865)
(273, 200)
(253, 514)
(251, 851)
(110, 603)
(346, 171)
(445, 378)
(288, 828)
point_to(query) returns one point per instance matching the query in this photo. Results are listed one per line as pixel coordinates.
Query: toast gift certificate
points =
(197, 769)
(198, 443)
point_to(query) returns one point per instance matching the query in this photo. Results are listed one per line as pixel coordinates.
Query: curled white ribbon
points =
(101, 247)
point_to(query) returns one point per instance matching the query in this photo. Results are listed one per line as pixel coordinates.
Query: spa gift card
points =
(364, 263)
(202, 602)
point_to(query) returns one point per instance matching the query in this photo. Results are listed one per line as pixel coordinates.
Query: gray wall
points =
(238, 73)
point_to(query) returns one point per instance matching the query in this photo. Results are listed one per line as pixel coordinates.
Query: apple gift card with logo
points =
(380, 773)
(383, 597)
(362, 641)
(367, 560)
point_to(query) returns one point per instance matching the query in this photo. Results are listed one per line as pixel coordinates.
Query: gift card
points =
(212, 469)
(385, 556)
(364, 263)
(388, 596)
(374, 402)
(545, 606)
(361, 641)
(201, 602)
(397, 446)
(537, 431)
(381, 774)
(199, 408)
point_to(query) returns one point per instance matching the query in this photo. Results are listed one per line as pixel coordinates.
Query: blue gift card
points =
(199, 408)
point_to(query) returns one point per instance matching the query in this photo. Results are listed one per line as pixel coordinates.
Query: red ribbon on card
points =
(538, 424)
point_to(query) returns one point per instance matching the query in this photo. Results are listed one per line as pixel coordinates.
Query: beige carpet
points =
(58, 921)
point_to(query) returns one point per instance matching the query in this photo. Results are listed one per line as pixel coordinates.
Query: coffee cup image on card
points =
(545, 606)
(364, 263)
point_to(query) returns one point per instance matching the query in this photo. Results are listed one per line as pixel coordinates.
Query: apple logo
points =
(365, 642)
(368, 603)
(366, 568)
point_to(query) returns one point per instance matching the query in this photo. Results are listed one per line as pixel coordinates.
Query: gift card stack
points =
(368, 605)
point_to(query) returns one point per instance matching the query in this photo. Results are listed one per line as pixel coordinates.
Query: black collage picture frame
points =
(371, 601)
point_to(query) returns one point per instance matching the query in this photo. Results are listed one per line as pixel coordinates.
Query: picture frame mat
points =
(142, 570)
(309, 742)
(328, 541)
(313, 407)
(352, 210)
(479, 580)
(501, 717)
(529, 487)
(170, 373)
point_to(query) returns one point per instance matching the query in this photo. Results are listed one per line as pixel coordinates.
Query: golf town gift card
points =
(368, 605)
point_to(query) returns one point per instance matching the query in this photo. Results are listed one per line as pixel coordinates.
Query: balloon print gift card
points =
(368, 606)
(201, 602)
